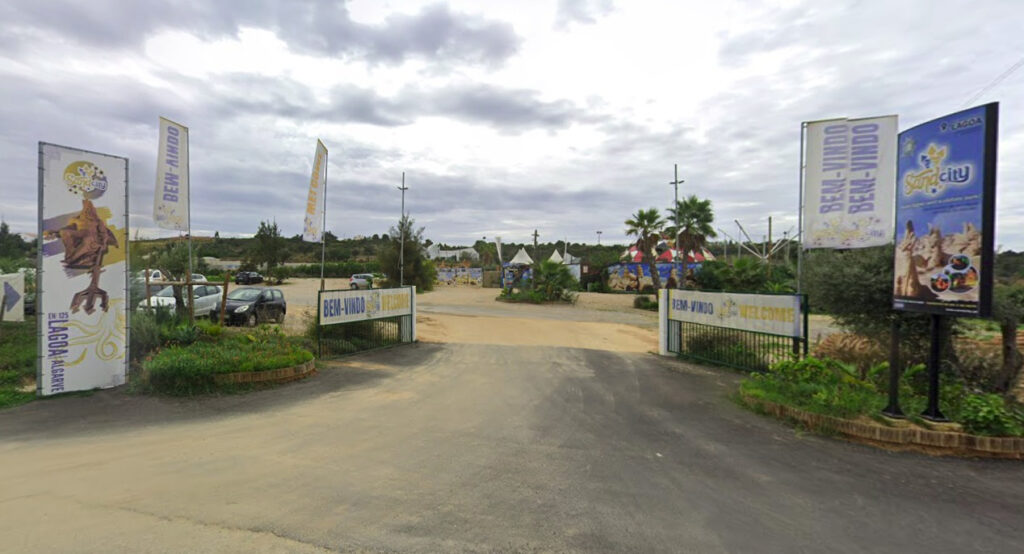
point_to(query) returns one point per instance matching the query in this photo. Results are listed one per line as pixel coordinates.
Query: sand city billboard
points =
(83, 278)
(945, 214)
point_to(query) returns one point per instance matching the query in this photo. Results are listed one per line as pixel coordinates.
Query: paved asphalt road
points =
(436, 448)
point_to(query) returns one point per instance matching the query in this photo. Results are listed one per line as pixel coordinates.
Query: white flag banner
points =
(170, 201)
(82, 283)
(497, 244)
(311, 229)
(849, 179)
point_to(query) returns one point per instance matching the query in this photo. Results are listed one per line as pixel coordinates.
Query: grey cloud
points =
(437, 31)
(506, 109)
(581, 11)
(321, 27)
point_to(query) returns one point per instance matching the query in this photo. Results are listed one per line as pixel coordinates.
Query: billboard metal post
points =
(319, 341)
(932, 412)
(893, 408)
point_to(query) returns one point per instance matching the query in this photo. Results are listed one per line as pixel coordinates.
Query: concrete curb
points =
(282, 375)
(915, 438)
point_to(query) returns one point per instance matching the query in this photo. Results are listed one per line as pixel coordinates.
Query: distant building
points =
(221, 265)
(434, 252)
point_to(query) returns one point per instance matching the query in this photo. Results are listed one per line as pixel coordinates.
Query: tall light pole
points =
(675, 208)
(599, 237)
(401, 229)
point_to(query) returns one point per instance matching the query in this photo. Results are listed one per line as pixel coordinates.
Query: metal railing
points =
(746, 350)
(735, 348)
(339, 340)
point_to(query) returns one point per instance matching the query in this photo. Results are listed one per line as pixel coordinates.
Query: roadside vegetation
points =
(408, 264)
(834, 388)
(980, 366)
(189, 369)
(173, 357)
(645, 302)
(17, 361)
(552, 283)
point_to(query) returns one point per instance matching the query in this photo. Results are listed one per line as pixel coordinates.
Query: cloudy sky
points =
(562, 115)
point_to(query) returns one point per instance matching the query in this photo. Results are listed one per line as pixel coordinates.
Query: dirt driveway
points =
(509, 428)
(472, 315)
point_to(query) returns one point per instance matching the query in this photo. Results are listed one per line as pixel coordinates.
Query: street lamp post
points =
(675, 184)
(599, 237)
(401, 229)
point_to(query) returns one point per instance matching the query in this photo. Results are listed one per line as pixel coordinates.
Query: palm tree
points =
(695, 219)
(647, 225)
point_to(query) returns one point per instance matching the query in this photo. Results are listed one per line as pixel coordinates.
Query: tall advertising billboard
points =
(82, 284)
(170, 200)
(312, 227)
(850, 168)
(945, 214)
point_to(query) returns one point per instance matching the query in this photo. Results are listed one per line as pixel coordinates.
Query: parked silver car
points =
(207, 300)
(361, 281)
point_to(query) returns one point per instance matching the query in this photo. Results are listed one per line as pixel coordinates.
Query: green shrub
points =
(209, 329)
(642, 302)
(187, 370)
(145, 335)
(820, 386)
(981, 368)
(725, 349)
(555, 283)
(181, 335)
(989, 414)
(524, 294)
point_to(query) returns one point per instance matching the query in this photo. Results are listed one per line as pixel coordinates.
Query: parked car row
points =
(248, 306)
(158, 275)
(206, 300)
(247, 278)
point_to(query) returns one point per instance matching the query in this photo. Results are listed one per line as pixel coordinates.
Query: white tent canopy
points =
(521, 258)
(555, 257)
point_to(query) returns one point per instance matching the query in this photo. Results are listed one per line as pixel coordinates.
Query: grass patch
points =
(17, 361)
(190, 369)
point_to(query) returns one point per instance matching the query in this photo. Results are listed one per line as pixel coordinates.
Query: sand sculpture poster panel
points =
(945, 214)
(453, 276)
(635, 276)
(83, 277)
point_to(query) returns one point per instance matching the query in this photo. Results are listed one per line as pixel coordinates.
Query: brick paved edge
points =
(282, 375)
(916, 438)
